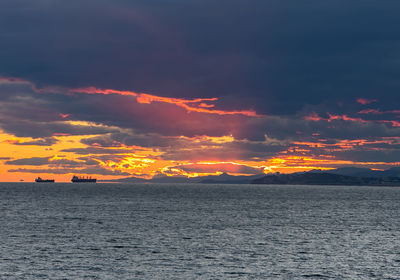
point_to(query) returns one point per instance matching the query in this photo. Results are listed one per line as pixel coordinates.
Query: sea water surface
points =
(171, 231)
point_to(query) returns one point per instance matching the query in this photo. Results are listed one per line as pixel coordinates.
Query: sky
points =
(152, 88)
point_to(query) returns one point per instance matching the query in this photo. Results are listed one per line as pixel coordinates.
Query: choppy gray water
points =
(149, 231)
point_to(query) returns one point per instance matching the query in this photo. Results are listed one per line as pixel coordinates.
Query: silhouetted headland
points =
(340, 176)
(323, 178)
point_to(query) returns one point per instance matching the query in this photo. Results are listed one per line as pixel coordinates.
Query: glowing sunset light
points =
(183, 103)
(365, 101)
(378, 112)
(143, 98)
(316, 118)
(64, 115)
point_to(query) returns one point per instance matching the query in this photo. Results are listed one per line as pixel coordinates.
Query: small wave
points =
(315, 275)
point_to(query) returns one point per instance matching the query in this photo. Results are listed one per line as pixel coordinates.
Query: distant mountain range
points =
(363, 172)
(212, 179)
(339, 176)
(324, 178)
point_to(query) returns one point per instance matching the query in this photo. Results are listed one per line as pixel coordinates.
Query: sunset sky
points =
(145, 88)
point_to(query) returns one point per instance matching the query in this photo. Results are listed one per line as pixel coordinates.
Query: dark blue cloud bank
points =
(275, 56)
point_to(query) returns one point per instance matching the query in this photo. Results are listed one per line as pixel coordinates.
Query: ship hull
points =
(84, 181)
(44, 181)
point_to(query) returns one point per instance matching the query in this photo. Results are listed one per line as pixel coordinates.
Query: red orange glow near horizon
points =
(147, 163)
(203, 151)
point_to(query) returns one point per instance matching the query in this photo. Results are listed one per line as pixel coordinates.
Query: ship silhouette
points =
(81, 179)
(40, 180)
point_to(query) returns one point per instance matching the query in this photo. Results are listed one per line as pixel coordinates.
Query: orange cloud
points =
(315, 117)
(191, 105)
(378, 112)
(200, 154)
(291, 163)
(393, 123)
(347, 144)
(370, 111)
(64, 115)
(212, 167)
(365, 101)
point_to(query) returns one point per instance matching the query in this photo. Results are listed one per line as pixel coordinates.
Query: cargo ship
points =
(40, 180)
(77, 179)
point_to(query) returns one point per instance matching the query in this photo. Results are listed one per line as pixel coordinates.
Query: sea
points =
(198, 231)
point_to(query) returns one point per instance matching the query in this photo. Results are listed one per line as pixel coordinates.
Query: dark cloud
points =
(25, 112)
(40, 142)
(297, 128)
(278, 134)
(114, 112)
(281, 55)
(84, 165)
(25, 128)
(362, 155)
(97, 171)
(96, 151)
(128, 122)
(211, 168)
(39, 161)
(237, 150)
(132, 139)
(88, 161)
(180, 148)
(29, 161)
